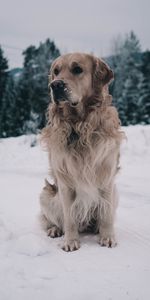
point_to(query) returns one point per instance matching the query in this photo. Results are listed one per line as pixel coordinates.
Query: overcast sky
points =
(79, 25)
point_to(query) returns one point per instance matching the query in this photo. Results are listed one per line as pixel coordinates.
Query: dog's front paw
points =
(108, 241)
(71, 245)
(54, 232)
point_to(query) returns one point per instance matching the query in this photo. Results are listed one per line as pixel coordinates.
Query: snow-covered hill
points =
(32, 266)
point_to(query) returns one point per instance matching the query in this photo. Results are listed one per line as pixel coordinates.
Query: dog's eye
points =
(77, 70)
(56, 71)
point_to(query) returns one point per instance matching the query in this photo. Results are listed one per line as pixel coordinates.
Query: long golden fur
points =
(83, 140)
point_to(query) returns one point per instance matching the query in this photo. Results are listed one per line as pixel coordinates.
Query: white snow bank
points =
(137, 144)
(32, 266)
(22, 154)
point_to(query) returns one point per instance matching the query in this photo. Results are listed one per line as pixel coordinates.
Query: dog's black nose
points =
(59, 90)
(57, 85)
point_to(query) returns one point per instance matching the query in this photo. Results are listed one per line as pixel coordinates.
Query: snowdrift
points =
(32, 266)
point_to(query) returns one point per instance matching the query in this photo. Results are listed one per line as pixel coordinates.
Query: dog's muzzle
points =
(59, 90)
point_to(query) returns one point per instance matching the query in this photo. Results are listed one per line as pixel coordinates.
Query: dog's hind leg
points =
(51, 216)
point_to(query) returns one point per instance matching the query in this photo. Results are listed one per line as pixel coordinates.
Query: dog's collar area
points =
(72, 104)
(73, 137)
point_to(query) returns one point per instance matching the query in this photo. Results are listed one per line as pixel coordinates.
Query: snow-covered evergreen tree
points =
(3, 82)
(31, 125)
(33, 85)
(9, 109)
(144, 97)
(3, 73)
(24, 101)
(131, 91)
(128, 76)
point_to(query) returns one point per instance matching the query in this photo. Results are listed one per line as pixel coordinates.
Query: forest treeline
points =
(24, 95)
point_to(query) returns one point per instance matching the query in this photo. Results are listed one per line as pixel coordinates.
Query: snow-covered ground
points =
(32, 266)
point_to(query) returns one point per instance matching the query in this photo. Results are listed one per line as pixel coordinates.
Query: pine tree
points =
(3, 73)
(144, 99)
(128, 76)
(23, 102)
(33, 85)
(3, 81)
(9, 114)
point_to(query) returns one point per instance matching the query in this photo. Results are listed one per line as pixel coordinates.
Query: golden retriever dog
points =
(83, 140)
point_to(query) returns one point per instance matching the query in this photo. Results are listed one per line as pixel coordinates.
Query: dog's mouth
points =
(61, 93)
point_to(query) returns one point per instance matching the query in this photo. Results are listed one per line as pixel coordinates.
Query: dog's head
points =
(78, 76)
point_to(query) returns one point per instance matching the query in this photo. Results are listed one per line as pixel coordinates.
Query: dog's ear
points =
(102, 73)
(51, 75)
(49, 78)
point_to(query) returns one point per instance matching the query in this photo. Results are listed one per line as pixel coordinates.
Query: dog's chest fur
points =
(76, 161)
(73, 137)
